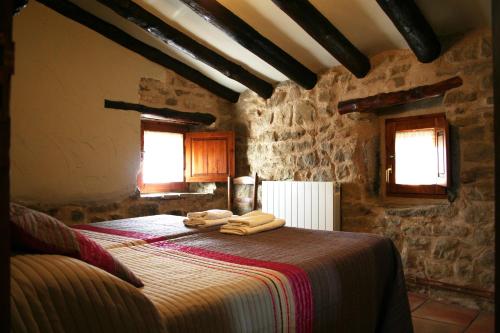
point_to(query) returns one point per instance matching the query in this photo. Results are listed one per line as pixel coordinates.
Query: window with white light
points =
(417, 156)
(162, 164)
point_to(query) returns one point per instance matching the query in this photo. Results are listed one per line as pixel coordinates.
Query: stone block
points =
(472, 133)
(143, 209)
(455, 97)
(103, 208)
(445, 248)
(478, 152)
(476, 173)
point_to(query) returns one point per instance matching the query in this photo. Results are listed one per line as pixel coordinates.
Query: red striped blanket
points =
(285, 280)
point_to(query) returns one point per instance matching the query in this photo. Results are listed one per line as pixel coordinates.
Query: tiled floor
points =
(435, 317)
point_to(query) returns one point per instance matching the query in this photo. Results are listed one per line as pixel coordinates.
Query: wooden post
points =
(6, 69)
(254, 194)
(229, 193)
(496, 87)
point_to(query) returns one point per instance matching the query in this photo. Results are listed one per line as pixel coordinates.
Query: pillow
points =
(39, 232)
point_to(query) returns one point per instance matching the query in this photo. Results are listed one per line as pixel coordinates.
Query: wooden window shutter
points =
(209, 156)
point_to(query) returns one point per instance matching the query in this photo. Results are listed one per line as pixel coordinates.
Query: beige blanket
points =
(211, 214)
(201, 223)
(51, 293)
(252, 219)
(243, 230)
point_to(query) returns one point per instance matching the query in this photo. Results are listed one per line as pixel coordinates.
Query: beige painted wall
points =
(65, 146)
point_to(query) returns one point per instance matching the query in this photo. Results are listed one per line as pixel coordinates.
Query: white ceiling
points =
(361, 21)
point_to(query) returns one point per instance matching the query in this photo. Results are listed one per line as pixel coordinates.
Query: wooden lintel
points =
(414, 28)
(326, 34)
(120, 37)
(171, 36)
(398, 97)
(174, 116)
(218, 15)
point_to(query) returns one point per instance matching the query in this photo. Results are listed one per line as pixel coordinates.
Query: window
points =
(172, 157)
(417, 158)
(162, 162)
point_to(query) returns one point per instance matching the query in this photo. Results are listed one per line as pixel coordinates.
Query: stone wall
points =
(134, 206)
(298, 134)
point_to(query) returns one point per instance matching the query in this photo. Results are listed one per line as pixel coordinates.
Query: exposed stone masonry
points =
(298, 134)
(135, 206)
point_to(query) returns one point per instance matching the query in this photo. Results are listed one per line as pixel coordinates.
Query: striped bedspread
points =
(136, 231)
(286, 280)
(51, 293)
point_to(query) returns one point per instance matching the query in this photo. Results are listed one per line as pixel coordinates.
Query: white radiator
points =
(310, 205)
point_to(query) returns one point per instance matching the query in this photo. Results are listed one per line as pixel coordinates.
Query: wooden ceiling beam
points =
(113, 33)
(326, 34)
(173, 37)
(218, 15)
(413, 26)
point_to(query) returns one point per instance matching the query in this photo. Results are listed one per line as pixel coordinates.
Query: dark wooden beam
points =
(6, 69)
(115, 34)
(171, 36)
(415, 29)
(218, 15)
(19, 5)
(320, 28)
(399, 97)
(496, 102)
(174, 116)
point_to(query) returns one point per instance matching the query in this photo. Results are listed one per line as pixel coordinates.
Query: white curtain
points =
(416, 157)
(163, 157)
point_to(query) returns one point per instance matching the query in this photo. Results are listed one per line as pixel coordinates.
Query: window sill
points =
(408, 202)
(174, 195)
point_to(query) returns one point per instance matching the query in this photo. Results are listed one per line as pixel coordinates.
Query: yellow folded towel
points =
(201, 223)
(252, 220)
(211, 214)
(245, 230)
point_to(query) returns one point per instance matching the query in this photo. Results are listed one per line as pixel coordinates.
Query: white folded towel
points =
(211, 214)
(201, 223)
(252, 219)
(245, 230)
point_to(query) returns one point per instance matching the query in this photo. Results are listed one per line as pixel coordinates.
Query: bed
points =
(136, 231)
(285, 280)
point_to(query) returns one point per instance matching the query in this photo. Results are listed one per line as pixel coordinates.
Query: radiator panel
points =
(309, 205)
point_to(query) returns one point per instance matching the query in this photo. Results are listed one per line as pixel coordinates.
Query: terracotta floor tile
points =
(430, 326)
(452, 314)
(484, 323)
(415, 300)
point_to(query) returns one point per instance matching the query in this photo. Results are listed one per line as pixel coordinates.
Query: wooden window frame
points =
(438, 122)
(158, 126)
